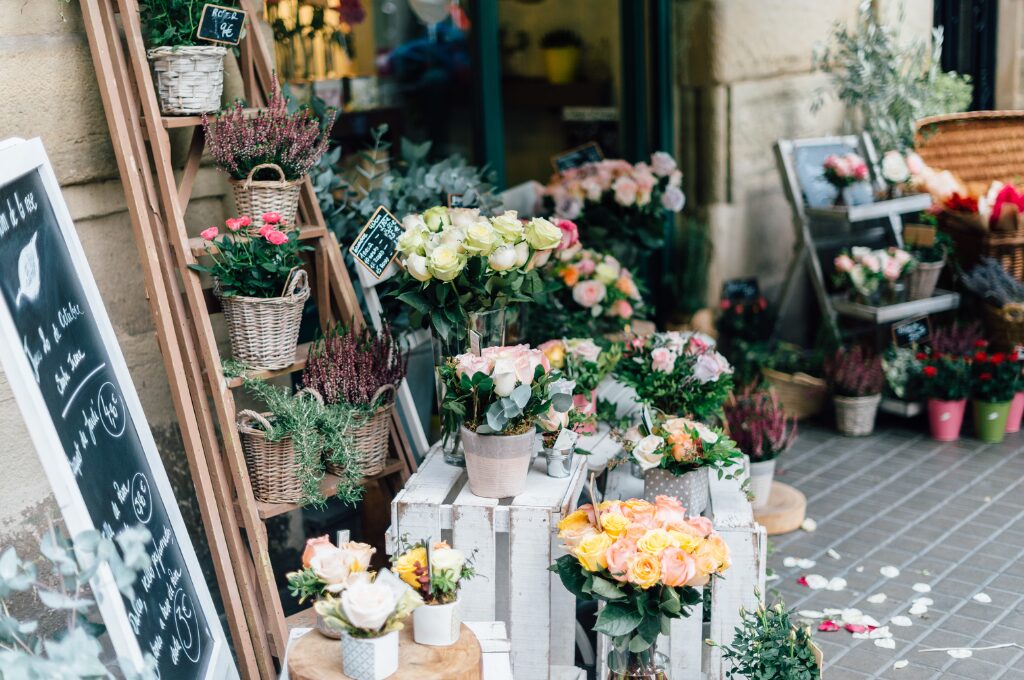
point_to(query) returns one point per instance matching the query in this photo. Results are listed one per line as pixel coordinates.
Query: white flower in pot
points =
(763, 432)
(439, 623)
(328, 570)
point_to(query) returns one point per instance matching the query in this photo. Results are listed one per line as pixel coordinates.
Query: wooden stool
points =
(785, 511)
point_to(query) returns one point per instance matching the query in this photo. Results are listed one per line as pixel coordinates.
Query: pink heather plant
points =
(759, 426)
(348, 366)
(855, 372)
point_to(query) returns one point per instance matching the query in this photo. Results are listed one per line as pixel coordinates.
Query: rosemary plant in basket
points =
(759, 426)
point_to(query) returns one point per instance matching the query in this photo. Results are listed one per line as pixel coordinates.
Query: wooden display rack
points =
(158, 194)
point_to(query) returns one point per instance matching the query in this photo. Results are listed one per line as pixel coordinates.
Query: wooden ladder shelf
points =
(182, 308)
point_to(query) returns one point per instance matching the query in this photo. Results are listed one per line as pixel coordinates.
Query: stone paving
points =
(946, 515)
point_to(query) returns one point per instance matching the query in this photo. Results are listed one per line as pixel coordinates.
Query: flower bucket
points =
(990, 420)
(497, 464)
(561, 64)
(370, 437)
(762, 473)
(189, 79)
(273, 469)
(945, 419)
(265, 331)
(1016, 412)
(437, 625)
(256, 197)
(692, 488)
(370, 658)
(855, 416)
(922, 281)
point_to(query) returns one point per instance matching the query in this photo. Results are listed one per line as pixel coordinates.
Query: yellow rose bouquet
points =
(646, 562)
(436, 572)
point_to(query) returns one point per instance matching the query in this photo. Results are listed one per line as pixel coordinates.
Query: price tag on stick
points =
(377, 244)
(222, 25)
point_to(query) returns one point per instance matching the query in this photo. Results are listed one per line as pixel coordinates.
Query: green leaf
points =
(639, 644)
(617, 619)
(606, 589)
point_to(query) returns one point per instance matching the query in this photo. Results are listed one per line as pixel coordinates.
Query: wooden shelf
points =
(872, 211)
(198, 244)
(171, 122)
(327, 486)
(301, 354)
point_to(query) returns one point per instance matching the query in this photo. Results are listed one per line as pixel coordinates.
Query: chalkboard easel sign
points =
(71, 383)
(916, 332)
(574, 158)
(377, 244)
(741, 290)
(219, 24)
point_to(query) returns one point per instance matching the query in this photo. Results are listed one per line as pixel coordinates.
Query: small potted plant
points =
(368, 615)
(769, 645)
(946, 383)
(842, 171)
(676, 458)
(902, 368)
(329, 569)
(498, 397)
(268, 155)
(439, 622)
(930, 260)
(855, 376)
(995, 380)
(763, 432)
(872, 277)
(362, 370)
(189, 72)
(561, 55)
(587, 363)
(262, 288)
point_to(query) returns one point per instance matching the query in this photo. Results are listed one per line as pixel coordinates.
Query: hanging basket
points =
(370, 437)
(265, 331)
(273, 470)
(254, 197)
(1005, 325)
(189, 79)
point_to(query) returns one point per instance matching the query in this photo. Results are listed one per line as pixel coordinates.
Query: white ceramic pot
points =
(369, 658)
(497, 465)
(761, 476)
(692, 488)
(437, 625)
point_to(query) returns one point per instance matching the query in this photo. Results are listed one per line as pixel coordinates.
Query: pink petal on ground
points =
(856, 628)
(802, 581)
(828, 626)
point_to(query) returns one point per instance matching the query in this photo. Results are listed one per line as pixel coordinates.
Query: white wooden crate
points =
(516, 542)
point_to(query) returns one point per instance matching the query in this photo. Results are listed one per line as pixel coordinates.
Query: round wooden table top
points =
(315, 657)
(785, 511)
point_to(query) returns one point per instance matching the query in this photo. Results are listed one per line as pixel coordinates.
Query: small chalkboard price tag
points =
(221, 24)
(912, 332)
(741, 290)
(458, 201)
(377, 244)
(574, 158)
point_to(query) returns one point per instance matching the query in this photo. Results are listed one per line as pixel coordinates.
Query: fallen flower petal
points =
(805, 563)
(833, 554)
(802, 581)
(885, 643)
(960, 653)
(828, 626)
(856, 628)
(860, 570)
(836, 584)
(816, 581)
(810, 614)
(877, 598)
(902, 621)
(880, 633)
(889, 572)
(902, 663)
(982, 598)
(789, 562)
(918, 610)
(809, 525)
(922, 588)
(926, 601)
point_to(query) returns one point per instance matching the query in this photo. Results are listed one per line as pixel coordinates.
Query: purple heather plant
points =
(348, 366)
(759, 426)
(855, 372)
(957, 339)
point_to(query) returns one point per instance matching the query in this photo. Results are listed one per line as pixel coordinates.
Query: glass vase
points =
(645, 665)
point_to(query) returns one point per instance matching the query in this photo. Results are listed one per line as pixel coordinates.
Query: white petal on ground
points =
(885, 643)
(926, 601)
(902, 621)
(902, 663)
(868, 620)
(960, 653)
(809, 525)
(805, 563)
(836, 584)
(982, 598)
(889, 572)
(851, 615)
(922, 588)
(880, 633)
(860, 570)
(918, 610)
(810, 614)
(877, 598)
(789, 562)
(859, 636)
(833, 554)
(833, 612)
(816, 581)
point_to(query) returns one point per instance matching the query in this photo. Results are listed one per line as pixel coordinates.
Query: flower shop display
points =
(561, 49)
(262, 288)
(768, 644)
(1003, 296)
(268, 155)
(796, 376)
(856, 379)
(996, 379)
(436, 575)
(329, 569)
(678, 373)
(957, 338)
(189, 72)
(946, 383)
(496, 399)
(620, 207)
(872, 277)
(902, 369)
(360, 369)
(586, 363)
(842, 171)
(930, 259)
(647, 563)
(677, 456)
(744, 331)
(762, 431)
(369, 614)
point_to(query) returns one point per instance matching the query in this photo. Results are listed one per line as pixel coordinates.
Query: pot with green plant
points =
(189, 72)
(855, 377)
(262, 288)
(561, 55)
(768, 644)
(995, 381)
(930, 260)
(762, 430)
(946, 383)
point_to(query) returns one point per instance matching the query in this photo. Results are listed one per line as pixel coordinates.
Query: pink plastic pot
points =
(1016, 412)
(585, 405)
(946, 418)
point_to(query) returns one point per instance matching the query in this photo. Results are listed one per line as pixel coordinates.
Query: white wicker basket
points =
(189, 79)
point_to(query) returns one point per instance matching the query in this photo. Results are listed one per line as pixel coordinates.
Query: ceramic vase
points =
(370, 658)
(437, 625)
(945, 419)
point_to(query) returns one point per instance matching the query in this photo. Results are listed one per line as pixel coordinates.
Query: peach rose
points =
(621, 309)
(570, 275)
(702, 525)
(627, 286)
(644, 570)
(617, 557)
(575, 527)
(669, 512)
(677, 567)
(314, 546)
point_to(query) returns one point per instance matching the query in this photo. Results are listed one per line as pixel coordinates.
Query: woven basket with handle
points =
(370, 436)
(189, 79)
(273, 470)
(1005, 325)
(264, 332)
(801, 395)
(255, 197)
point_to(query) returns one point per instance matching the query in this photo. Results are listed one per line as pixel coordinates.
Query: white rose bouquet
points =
(369, 609)
(680, 445)
(456, 262)
(440, 582)
(329, 569)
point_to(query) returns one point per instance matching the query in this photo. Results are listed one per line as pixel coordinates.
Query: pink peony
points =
(696, 346)
(844, 264)
(276, 237)
(625, 191)
(663, 360)
(677, 567)
(570, 234)
(209, 234)
(586, 266)
(589, 293)
(617, 556)
(621, 309)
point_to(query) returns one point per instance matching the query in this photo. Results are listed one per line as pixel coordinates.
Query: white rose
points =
(454, 236)
(413, 222)
(503, 258)
(542, 235)
(368, 605)
(522, 253)
(894, 168)
(413, 241)
(481, 239)
(448, 559)
(705, 432)
(504, 377)
(361, 554)
(338, 569)
(508, 226)
(463, 218)
(436, 218)
(416, 265)
(446, 262)
(632, 435)
(706, 369)
(646, 452)
(608, 271)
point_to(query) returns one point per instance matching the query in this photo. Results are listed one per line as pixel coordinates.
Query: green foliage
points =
(767, 646)
(173, 23)
(305, 585)
(688, 278)
(252, 267)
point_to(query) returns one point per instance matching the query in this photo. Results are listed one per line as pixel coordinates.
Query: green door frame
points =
(633, 127)
(485, 52)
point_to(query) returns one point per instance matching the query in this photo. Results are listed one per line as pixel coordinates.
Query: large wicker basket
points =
(189, 79)
(273, 470)
(370, 437)
(255, 197)
(1005, 325)
(264, 332)
(801, 395)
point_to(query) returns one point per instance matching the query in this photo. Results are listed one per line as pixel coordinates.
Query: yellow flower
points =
(686, 542)
(644, 570)
(614, 524)
(712, 556)
(407, 564)
(574, 521)
(654, 541)
(591, 551)
(636, 503)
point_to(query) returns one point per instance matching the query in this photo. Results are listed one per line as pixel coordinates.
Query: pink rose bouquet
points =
(844, 170)
(681, 445)
(867, 273)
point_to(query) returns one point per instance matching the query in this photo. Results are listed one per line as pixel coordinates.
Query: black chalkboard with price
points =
(741, 290)
(915, 332)
(377, 243)
(574, 158)
(221, 24)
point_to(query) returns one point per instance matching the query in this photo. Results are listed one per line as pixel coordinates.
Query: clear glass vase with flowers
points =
(436, 571)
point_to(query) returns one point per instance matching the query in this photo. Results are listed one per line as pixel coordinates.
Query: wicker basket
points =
(855, 416)
(370, 438)
(255, 197)
(801, 395)
(264, 332)
(1005, 325)
(922, 281)
(189, 79)
(273, 469)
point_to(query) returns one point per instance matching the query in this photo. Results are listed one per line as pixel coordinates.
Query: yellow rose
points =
(644, 570)
(574, 521)
(654, 541)
(591, 551)
(614, 524)
(684, 541)
(542, 235)
(712, 556)
(555, 352)
(445, 262)
(436, 218)
(481, 239)
(508, 226)
(409, 563)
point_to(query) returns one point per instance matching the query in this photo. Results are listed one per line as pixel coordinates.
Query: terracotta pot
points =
(497, 464)
(945, 419)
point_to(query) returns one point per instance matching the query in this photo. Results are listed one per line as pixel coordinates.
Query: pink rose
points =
(872, 263)
(617, 556)
(586, 266)
(209, 234)
(236, 223)
(702, 525)
(673, 199)
(570, 234)
(844, 264)
(677, 567)
(589, 293)
(643, 516)
(915, 164)
(622, 309)
(276, 237)
(892, 270)
(625, 191)
(315, 546)
(264, 229)
(696, 346)
(669, 512)
(663, 360)
(585, 349)
(471, 364)
(270, 218)
(662, 164)
(706, 369)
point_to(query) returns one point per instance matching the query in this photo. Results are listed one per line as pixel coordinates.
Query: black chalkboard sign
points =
(912, 332)
(62, 360)
(459, 201)
(221, 24)
(809, 160)
(574, 158)
(377, 243)
(741, 290)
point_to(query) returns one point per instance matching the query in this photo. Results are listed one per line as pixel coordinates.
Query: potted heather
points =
(946, 383)
(360, 369)
(268, 155)
(842, 171)
(498, 397)
(855, 376)
(329, 569)
(561, 55)
(259, 280)
(763, 432)
(435, 572)
(995, 381)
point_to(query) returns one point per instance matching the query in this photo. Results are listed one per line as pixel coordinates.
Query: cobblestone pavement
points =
(946, 515)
